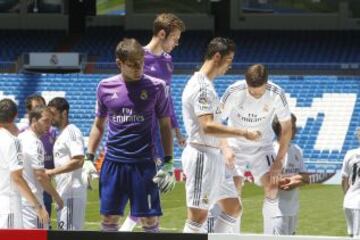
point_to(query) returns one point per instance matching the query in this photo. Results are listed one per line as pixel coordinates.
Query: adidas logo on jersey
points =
(114, 96)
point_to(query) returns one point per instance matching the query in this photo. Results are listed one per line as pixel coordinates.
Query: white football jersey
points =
(11, 159)
(351, 169)
(288, 204)
(244, 111)
(200, 98)
(69, 144)
(33, 151)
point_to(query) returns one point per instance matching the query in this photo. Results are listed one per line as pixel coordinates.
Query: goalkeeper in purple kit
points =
(129, 102)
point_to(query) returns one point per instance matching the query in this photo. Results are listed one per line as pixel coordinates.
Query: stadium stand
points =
(327, 107)
(281, 49)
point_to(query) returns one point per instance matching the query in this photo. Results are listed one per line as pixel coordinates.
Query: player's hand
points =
(181, 140)
(59, 202)
(42, 214)
(289, 183)
(252, 135)
(165, 176)
(89, 171)
(49, 173)
(229, 157)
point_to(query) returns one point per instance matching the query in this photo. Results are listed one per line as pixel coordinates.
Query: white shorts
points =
(280, 225)
(11, 221)
(257, 160)
(72, 215)
(12, 218)
(31, 220)
(352, 217)
(205, 177)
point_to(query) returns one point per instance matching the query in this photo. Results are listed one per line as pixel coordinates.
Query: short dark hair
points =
(129, 48)
(167, 22)
(8, 110)
(60, 104)
(36, 112)
(31, 98)
(256, 75)
(277, 127)
(224, 46)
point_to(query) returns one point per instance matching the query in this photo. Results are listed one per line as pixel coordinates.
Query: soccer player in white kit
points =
(204, 157)
(34, 172)
(12, 184)
(282, 219)
(68, 160)
(252, 104)
(351, 186)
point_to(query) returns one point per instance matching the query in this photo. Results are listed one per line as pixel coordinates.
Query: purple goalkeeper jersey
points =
(161, 67)
(131, 108)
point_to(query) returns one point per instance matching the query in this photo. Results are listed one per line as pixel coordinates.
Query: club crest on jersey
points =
(144, 95)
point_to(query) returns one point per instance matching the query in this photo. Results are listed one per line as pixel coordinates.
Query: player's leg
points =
(292, 225)
(349, 221)
(228, 199)
(200, 169)
(356, 223)
(47, 203)
(144, 195)
(261, 164)
(129, 224)
(113, 184)
(281, 225)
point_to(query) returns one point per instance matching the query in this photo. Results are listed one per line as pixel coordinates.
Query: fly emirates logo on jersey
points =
(250, 117)
(127, 115)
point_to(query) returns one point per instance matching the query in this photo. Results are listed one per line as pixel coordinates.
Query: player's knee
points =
(150, 224)
(110, 219)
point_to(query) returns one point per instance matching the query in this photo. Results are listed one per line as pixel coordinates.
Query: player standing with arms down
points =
(129, 102)
(12, 184)
(47, 139)
(252, 103)
(167, 29)
(34, 173)
(68, 160)
(202, 158)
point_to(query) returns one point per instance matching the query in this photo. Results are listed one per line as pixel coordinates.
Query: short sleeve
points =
(16, 157)
(345, 170)
(204, 102)
(75, 142)
(162, 104)
(100, 107)
(282, 108)
(302, 167)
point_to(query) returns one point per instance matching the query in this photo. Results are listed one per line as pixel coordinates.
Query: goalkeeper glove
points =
(165, 176)
(89, 171)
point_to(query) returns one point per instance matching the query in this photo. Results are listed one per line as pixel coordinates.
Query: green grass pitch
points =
(320, 210)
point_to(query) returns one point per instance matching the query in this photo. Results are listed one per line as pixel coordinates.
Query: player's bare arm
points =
(181, 140)
(285, 137)
(75, 163)
(228, 153)
(45, 183)
(209, 126)
(96, 133)
(166, 135)
(298, 180)
(26, 192)
(345, 184)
